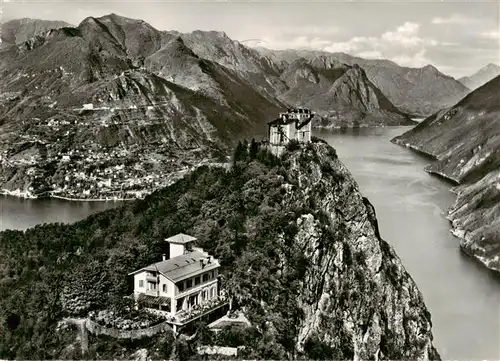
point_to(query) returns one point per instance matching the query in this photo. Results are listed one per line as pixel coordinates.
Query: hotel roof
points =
(182, 267)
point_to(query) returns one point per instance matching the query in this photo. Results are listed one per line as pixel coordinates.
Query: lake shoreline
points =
(362, 126)
(411, 207)
(30, 196)
(114, 199)
(458, 233)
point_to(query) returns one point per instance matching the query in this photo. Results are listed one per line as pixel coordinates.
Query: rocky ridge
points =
(465, 141)
(341, 94)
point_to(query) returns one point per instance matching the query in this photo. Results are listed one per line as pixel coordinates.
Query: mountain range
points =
(416, 91)
(18, 31)
(78, 102)
(482, 76)
(465, 141)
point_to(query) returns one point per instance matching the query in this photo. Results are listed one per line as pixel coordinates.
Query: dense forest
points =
(300, 254)
(55, 270)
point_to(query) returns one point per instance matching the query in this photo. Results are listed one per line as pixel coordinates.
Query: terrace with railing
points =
(184, 317)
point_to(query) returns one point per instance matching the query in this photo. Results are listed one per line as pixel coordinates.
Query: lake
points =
(18, 213)
(411, 205)
(462, 296)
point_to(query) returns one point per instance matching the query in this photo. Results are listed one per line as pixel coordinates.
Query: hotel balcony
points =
(184, 317)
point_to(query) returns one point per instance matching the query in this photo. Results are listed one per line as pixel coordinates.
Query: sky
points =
(457, 37)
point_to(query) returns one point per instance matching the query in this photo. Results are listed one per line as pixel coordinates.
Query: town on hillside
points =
(92, 172)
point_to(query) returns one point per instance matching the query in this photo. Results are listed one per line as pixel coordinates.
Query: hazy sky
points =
(457, 37)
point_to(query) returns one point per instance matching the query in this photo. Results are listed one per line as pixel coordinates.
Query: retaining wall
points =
(97, 329)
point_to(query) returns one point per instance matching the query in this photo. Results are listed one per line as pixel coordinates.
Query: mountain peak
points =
(88, 20)
(430, 67)
(482, 76)
(211, 34)
(120, 19)
(491, 67)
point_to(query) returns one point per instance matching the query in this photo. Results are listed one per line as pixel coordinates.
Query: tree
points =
(254, 149)
(240, 152)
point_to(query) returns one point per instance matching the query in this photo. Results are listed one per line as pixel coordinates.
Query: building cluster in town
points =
(88, 168)
(93, 167)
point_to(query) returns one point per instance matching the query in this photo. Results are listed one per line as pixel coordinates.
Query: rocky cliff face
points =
(356, 292)
(341, 94)
(465, 140)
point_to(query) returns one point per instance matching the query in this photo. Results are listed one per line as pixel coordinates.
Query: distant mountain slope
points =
(272, 80)
(218, 47)
(465, 139)
(18, 31)
(482, 76)
(115, 85)
(417, 91)
(135, 116)
(342, 94)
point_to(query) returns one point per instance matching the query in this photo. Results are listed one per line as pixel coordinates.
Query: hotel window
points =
(189, 283)
(151, 286)
(180, 301)
(197, 281)
(211, 293)
(213, 274)
(206, 277)
(204, 295)
(141, 283)
(164, 288)
(180, 285)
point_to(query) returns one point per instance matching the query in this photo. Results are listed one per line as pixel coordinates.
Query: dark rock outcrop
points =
(465, 141)
(356, 292)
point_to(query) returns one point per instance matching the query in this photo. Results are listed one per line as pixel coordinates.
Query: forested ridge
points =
(281, 249)
(67, 270)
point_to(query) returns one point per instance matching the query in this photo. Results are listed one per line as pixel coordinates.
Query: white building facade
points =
(185, 282)
(295, 124)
